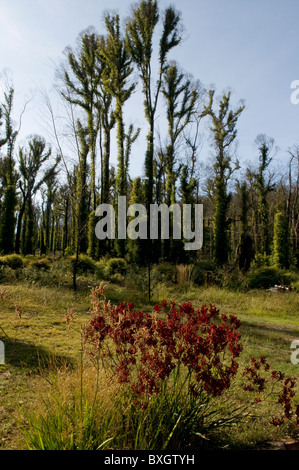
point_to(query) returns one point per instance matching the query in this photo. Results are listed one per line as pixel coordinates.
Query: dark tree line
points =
(248, 212)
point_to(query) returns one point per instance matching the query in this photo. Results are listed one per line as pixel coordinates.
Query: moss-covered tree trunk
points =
(7, 220)
(281, 241)
(224, 133)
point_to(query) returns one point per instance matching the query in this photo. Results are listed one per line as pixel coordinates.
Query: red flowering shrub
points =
(198, 345)
(146, 349)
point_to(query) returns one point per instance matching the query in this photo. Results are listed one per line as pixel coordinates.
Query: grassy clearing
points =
(270, 322)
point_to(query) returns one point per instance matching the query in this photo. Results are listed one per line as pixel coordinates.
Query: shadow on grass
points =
(272, 332)
(29, 356)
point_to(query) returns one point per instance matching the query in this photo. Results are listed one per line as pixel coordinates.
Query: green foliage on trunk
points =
(264, 187)
(224, 133)
(244, 209)
(7, 219)
(31, 161)
(115, 77)
(82, 194)
(41, 213)
(136, 248)
(281, 241)
(139, 39)
(8, 222)
(92, 245)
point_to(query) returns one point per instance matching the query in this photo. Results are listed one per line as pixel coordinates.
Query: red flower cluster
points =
(257, 383)
(285, 398)
(146, 349)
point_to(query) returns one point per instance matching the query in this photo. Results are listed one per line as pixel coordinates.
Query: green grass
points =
(270, 322)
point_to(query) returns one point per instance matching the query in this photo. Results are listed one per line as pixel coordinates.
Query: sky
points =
(248, 46)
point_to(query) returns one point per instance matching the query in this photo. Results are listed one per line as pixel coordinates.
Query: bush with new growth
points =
(85, 264)
(12, 261)
(268, 276)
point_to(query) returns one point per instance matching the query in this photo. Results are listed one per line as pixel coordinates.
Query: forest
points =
(51, 258)
(47, 205)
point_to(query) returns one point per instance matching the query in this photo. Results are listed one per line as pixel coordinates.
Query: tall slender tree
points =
(135, 247)
(7, 225)
(181, 97)
(84, 91)
(84, 88)
(51, 184)
(81, 207)
(263, 183)
(31, 161)
(245, 245)
(116, 75)
(224, 133)
(281, 241)
(292, 206)
(139, 40)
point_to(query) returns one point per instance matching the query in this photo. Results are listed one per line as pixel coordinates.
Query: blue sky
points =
(249, 46)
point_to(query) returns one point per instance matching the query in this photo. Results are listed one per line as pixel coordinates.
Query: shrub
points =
(268, 276)
(116, 266)
(203, 272)
(85, 264)
(100, 269)
(117, 278)
(154, 347)
(7, 274)
(28, 259)
(12, 261)
(137, 281)
(42, 264)
(234, 280)
(164, 272)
